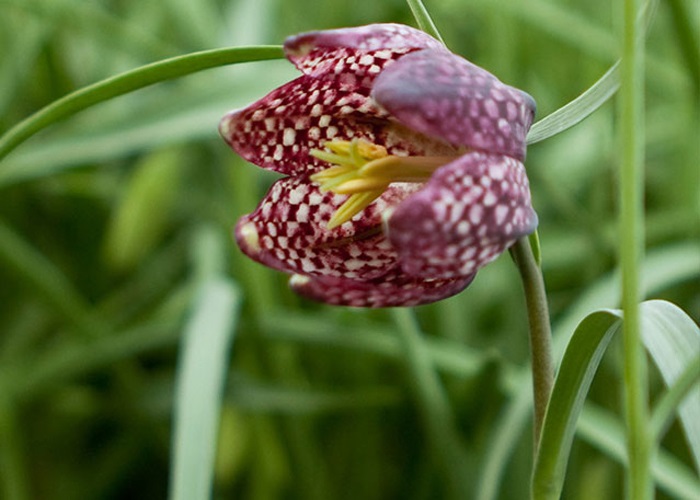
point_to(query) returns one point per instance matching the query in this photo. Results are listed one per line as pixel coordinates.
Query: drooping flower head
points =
(402, 162)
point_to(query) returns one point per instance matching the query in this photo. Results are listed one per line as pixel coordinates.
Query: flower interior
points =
(363, 171)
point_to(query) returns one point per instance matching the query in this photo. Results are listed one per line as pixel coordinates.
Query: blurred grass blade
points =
(574, 112)
(673, 341)
(425, 22)
(667, 406)
(48, 281)
(128, 82)
(14, 480)
(433, 403)
(201, 373)
(580, 362)
(587, 103)
(257, 396)
(601, 429)
(143, 213)
(96, 21)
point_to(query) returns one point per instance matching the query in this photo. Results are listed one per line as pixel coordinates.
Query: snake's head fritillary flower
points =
(402, 162)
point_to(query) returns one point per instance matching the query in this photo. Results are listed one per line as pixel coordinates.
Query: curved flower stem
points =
(540, 330)
(130, 81)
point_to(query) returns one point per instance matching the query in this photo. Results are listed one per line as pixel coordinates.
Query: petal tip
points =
(298, 281)
(226, 125)
(300, 45)
(247, 237)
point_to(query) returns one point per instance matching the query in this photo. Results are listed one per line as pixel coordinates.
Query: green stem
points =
(631, 246)
(540, 330)
(433, 403)
(128, 82)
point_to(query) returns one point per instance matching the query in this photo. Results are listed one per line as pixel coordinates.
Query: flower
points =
(402, 162)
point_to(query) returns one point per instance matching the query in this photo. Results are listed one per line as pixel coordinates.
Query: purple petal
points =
(360, 50)
(278, 131)
(391, 290)
(469, 212)
(288, 232)
(443, 95)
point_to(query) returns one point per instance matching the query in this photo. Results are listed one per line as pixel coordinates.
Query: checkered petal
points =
(354, 53)
(443, 95)
(278, 131)
(288, 232)
(390, 290)
(470, 211)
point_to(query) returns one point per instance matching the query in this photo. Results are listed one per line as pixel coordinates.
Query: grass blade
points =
(201, 373)
(577, 110)
(581, 360)
(425, 22)
(673, 341)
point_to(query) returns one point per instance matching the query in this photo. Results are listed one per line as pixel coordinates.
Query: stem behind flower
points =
(540, 330)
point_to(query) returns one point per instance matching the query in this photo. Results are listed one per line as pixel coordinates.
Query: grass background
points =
(114, 236)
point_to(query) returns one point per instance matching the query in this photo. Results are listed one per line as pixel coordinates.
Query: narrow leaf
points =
(425, 22)
(577, 110)
(580, 362)
(201, 373)
(673, 341)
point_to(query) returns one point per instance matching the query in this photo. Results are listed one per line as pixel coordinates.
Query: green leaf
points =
(425, 22)
(128, 82)
(577, 110)
(673, 341)
(663, 268)
(201, 373)
(580, 362)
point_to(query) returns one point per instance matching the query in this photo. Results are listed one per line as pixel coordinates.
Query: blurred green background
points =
(111, 221)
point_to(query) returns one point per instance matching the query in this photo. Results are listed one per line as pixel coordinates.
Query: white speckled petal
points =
(288, 232)
(470, 211)
(361, 50)
(443, 95)
(278, 131)
(390, 290)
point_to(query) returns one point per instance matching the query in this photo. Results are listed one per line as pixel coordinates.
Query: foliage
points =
(114, 246)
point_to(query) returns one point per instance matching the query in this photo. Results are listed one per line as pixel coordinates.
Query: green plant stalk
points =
(432, 401)
(540, 331)
(128, 82)
(631, 135)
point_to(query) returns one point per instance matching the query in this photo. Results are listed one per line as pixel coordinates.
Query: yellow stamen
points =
(355, 185)
(355, 204)
(364, 171)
